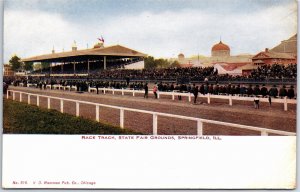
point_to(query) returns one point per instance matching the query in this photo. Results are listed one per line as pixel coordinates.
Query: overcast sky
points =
(161, 28)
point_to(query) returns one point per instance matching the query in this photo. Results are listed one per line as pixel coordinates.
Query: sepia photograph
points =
(153, 70)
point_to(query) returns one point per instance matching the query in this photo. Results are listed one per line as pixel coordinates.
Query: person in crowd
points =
(282, 92)
(256, 90)
(216, 89)
(238, 89)
(243, 90)
(202, 89)
(256, 102)
(290, 92)
(250, 91)
(264, 91)
(146, 90)
(97, 87)
(155, 89)
(273, 91)
(195, 92)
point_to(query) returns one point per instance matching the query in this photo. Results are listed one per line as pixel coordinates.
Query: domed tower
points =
(220, 50)
(181, 58)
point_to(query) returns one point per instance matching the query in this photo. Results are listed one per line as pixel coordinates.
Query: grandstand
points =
(86, 61)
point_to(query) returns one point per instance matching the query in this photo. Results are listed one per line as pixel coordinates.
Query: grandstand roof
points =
(115, 50)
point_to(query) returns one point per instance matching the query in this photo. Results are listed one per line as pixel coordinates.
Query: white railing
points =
(55, 86)
(200, 121)
(230, 98)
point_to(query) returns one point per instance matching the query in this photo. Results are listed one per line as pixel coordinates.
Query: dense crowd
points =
(203, 88)
(275, 72)
(208, 78)
(262, 73)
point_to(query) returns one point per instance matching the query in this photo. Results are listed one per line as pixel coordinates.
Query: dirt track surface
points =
(242, 112)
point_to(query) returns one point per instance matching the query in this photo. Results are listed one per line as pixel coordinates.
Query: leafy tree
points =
(150, 62)
(37, 66)
(175, 64)
(28, 66)
(45, 65)
(15, 63)
(162, 63)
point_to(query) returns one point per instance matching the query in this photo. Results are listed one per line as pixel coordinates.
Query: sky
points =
(160, 28)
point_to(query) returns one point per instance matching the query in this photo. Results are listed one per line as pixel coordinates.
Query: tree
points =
(28, 66)
(150, 63)
(162, 63)
(175, 64)
(15, 63)
(37, 66)
(45, 65)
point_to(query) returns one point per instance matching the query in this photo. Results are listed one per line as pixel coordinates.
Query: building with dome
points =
(220, 58)
(220, 50)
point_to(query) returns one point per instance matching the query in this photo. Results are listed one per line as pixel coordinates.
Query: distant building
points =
(268, 57)
(234, 68)
(7, 71)
(220, 53)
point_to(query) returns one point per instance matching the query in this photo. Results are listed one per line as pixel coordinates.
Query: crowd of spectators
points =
(208, 78)
(203, 88)
(262, 73)
(275, 72)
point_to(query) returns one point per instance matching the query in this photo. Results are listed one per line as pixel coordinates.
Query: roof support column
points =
(104, 61)
(62, 67)
(51, 68)
(74, 66)
(88, 63)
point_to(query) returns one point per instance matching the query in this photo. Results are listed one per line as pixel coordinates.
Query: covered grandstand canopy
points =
(103, 57)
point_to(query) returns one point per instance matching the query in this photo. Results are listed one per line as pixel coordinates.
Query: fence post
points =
(154, 123)
(20, 97)
(28, 98)
(199, 127)
(14, 96)
(62, 106)
(97, 112)
(264, 133)
(89, 89)
(77, 109)
(230, 100)
(122, 91)
(158, 94)
(173, 96)
(122, 118)
(208, 98)
(285, 103)
(104, 91)
(49, 104)
(190, 97)
(7, 92)
(38, 100)
(133, 93)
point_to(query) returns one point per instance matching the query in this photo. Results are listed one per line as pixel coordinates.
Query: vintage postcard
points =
(153, 94)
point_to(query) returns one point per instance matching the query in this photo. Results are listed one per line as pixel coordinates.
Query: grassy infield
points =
(21, 118)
